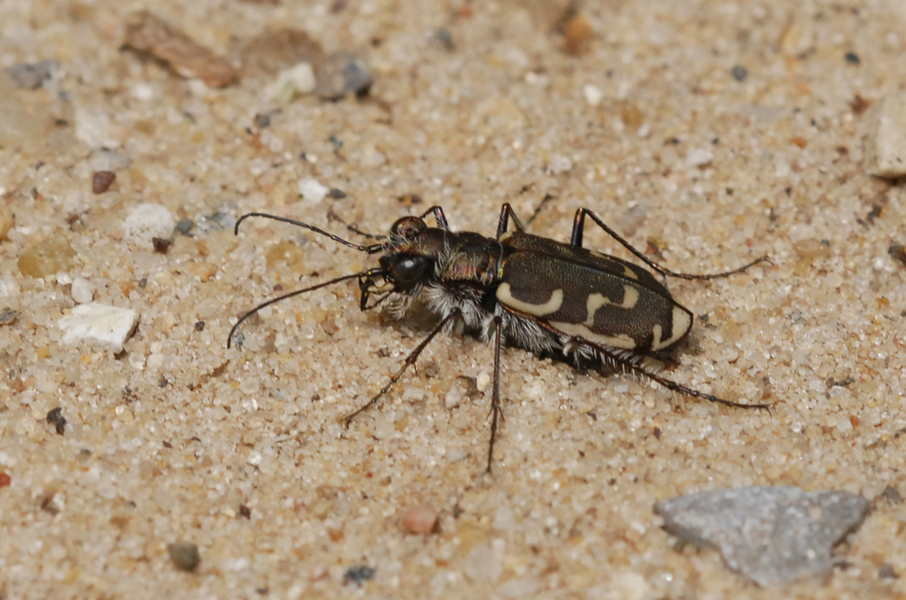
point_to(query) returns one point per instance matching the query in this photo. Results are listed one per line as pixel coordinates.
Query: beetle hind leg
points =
(648, 368)
(579, 231)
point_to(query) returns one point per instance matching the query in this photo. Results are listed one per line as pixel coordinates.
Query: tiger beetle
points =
(529, 291)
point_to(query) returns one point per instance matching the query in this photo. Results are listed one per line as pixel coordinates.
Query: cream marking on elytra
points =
(682, 322)
(505, 296)
(596, 301)
(579, 330)
(630, 273)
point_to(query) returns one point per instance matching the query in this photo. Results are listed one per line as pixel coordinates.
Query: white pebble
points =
(885, 140)
(250, 385)
(452, 398)
(699, 157)
(312, 189)
(593, 94)
(148, 221)
(301, 77)
(82, 290)
(482, 381)
(559, 164)
(254, 458)
(99, 325)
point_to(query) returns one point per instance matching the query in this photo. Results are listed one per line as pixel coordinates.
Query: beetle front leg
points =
(410, 360)
(579, 230)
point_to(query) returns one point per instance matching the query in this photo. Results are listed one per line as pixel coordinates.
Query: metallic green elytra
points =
(528, 291)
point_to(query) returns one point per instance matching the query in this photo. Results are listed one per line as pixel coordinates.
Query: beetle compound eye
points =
(406, 271)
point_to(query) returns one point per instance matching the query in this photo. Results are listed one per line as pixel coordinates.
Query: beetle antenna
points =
(334, 216)
(368, 273)
(371, 249)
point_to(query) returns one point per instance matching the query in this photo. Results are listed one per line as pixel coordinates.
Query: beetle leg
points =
(438, 213)
(496, 410)
(507, 213)
(579, 229)
(410, 360)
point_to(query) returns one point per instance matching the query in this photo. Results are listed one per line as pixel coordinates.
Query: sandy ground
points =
(242, 452)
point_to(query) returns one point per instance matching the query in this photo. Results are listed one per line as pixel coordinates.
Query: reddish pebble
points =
(577, 33)
(101, 181)
(420, 519)
(5, 480)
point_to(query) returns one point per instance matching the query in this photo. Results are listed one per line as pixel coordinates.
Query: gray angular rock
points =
(768, 534)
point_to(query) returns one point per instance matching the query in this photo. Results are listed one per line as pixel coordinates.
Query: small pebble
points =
(272, 51)
(341, 74)
(5, 480)
(852, 58)
(293, 81)
(769, 534)
(740, 73)
(699, 157)
(421, 519)
(577, 33)
(592, 94)
(358, 575)
(149, 34)
(98, 325)
(892, 495)
(47, 259)
(336, 193)
(444, 39)
(885, 139)
(147, 221)
(81, 290)
(31, 76)
(161, 245)
(55, 417)
(184, 555)
(101, 181)
(7, 316)
(886, 572)
(7, 221)
(185, 225)
(109, 160)
(312, 189)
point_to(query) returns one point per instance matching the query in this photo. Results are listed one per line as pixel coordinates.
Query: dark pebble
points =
(101, 181)
(336, 193)
(245, 511)
(8, 315)
(358, 575)
(740, 72)
(185, 225)
(55, 417)
(199, 326)
(161, 245)
(886, 572)
(444, 39)
(892, 495)
(852, 58)
(184, 555)
(341, 74)
(31, 76)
